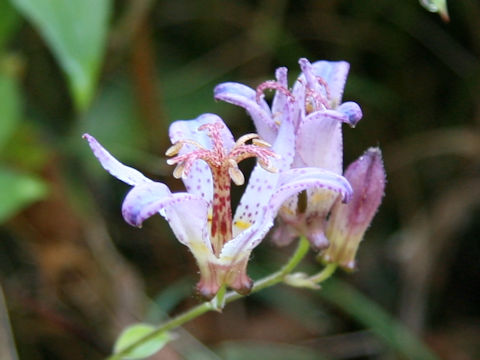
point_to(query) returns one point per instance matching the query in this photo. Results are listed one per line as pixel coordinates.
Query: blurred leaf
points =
(114, 121)
(266, 351)
(9, 105)
(18, 191)
(365, 311)
(8, 21)
(168, 299)
(134, 333)
(75, 30)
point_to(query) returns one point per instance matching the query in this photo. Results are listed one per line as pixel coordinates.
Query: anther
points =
(267, 165)
(247, 137)
(179, 171)
(235, 173)
(261, 143)
(174, 149)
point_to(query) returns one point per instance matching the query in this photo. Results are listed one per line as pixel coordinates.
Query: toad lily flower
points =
(348, 222)
(206, 158)
(314, 107)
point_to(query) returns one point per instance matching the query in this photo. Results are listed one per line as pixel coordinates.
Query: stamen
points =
(247, 137)
(267, 165)
(179, 171)
(174, 149)
(235, 173)
(261, 143)
(272, 85)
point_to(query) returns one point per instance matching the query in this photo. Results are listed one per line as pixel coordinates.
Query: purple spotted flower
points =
(206, 158)
(314, 107)
(348, 222)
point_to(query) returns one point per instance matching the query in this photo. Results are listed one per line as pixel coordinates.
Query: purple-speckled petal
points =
(262, 183)
(319, 141)
(293, 181)
(113, 166)
(242, 95)
(186, 213)
(335, 74)
(290, 183)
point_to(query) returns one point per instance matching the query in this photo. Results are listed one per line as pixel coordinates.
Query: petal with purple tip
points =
(113, 166)
(243, 96)
(352, 112)
(186, 213)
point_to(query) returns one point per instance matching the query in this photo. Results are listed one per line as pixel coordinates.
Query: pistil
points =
(223, 163)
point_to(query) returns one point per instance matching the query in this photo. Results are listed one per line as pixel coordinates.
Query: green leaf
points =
(8, 21)
(134, 333)
(18, 191)
(10, 106)
(75, 30)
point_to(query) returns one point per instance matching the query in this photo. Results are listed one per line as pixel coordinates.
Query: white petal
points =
(186, 213)
(262, 183)
(241, 95)
(115, 167)
(319, 140)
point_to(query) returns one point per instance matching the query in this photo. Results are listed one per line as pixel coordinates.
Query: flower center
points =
(223, 163)
(317, 95)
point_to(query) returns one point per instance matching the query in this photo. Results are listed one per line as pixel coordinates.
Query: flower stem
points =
(323, 275)
(231, 296)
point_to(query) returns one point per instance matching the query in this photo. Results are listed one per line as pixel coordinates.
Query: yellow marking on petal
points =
(242, 224)
(199, 249)
(287, 210)
(321, 196)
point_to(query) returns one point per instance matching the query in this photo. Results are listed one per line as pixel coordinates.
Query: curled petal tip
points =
(352, 112)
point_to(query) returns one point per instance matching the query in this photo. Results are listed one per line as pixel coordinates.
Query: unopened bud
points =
(348, 222)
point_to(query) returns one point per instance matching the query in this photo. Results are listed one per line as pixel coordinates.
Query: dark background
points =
(74, 274)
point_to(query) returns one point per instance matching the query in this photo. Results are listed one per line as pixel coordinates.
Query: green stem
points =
(198, 310)
(323, 275)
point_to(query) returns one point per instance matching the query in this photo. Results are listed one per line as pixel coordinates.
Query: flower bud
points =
(348, 222)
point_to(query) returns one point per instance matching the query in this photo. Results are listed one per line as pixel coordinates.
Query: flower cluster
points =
(298, 176)
(314, 106)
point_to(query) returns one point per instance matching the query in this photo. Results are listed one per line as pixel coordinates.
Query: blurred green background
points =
(74, 274)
